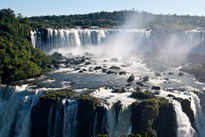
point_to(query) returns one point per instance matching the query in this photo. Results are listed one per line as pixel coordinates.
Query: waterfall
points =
(184, 126)
(50, 39)
(118, 122)
(33, 38)
(70, 124)
(15, 111)
(199, 116)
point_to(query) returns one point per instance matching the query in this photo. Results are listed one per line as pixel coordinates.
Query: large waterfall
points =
(143, 40)
(110, 57)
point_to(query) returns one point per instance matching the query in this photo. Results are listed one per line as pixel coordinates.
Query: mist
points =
(133, 39)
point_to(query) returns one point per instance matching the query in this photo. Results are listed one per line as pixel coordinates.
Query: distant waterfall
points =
(50, 39)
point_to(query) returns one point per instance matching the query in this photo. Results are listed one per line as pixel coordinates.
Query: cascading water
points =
(63, 117)
(15, 110)
(184, 126)
(117, 120)
(50, 39)
(70, 123)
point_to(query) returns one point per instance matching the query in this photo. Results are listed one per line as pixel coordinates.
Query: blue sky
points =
(66, 7)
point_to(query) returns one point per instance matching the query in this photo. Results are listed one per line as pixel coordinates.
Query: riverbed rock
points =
(57, 56)
(97, 68)
(131, 78)
(114, 67)
(122, 73)
(170, 73)
(156, 88)
(110, 72)
(158, 74)
(104, 70)
(88, 63)
(146, 78)
(139, 83)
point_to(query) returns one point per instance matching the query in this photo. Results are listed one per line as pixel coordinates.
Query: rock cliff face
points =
(154, 117)
(54, 115)
(84, 116)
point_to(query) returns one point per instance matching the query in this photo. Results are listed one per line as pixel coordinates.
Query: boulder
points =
(170, 73)
(131, 78)
(88, 63)
(155, 88)
(139, 83)
(114, 67)
(157, 74)
(104, 70)
(81, 71)
(120, 90)
(57, 56)
(122, 73)
(146, 78)
(110, 72)
(97, 68)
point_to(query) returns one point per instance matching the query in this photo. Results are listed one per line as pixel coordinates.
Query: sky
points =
(66, 7)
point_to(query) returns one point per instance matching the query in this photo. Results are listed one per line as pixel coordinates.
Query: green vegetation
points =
(18, 59)
(117, 18)
(68, 93)
(145, 113)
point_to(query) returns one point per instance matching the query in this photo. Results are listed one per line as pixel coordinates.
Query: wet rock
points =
(122, 73)
(131, 78)
(75, 61)
(97, 68)
(128, 85)
(120, 90)
(167, 79)
(157, 74)
(81, 71)
(168, 128)
(155, 88)
(170, 73)
(88, 63)
(170, 95)
(181, 74)
(139, 83)
(104, 70)
(141, 95)
(110, 72)
(84, 69)
(114, 67)
(138, 89)
(57, 56)
(146, 78)
(186, 108)
(156, 93)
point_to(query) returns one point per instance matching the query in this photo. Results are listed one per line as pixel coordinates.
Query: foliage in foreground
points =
(18, 59)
